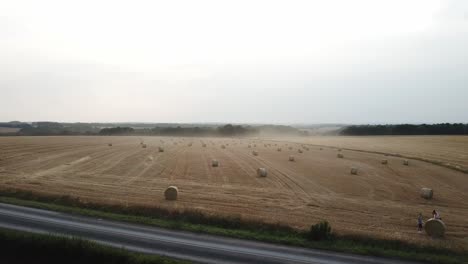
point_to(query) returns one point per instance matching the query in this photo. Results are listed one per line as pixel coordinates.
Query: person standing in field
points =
(420, 222)
(436, 215)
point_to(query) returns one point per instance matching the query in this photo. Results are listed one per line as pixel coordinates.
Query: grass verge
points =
(237, 228)
(22, 247)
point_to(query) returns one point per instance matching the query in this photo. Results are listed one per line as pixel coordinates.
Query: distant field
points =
(4, 130)
(382, 200)
(451, 150)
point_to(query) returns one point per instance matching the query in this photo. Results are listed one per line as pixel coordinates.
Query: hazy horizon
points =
(227, 123)
(265, 62)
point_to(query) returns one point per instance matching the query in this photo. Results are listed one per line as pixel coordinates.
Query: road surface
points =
(177, 244)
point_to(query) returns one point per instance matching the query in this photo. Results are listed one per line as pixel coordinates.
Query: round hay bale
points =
(384, 162)
(406, 162)
(435, 228)
(291, 158)
(255, 153)
(354, 170)
(160, 149)
(110, 144)
(340, 156)
(262, 172)
(279, 149)
(171, 193)
(427, 193)
(214, 163)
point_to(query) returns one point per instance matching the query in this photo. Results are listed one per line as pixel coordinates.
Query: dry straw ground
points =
(381, 200)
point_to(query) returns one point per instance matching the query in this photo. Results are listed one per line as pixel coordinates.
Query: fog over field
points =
(241, 61)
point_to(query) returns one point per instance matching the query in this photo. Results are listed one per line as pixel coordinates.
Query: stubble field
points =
(381, 200)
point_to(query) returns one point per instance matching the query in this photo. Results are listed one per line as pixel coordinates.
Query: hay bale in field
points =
(171, 193)
(406, 162)
(291, 158)
(427, 193)
(299, 150)
(160, 149)
(354, 170)
(340, 156)
(255, 153)
(384, 162)
(110, 144)
(435, 228)
(262, 172)
(278, 149)
(214, 163)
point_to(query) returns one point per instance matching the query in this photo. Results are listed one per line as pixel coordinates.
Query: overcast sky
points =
(372, 61)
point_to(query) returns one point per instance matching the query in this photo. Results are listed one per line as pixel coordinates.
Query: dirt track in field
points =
(382, 200)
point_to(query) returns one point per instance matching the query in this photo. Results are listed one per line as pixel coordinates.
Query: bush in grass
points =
(320, 231)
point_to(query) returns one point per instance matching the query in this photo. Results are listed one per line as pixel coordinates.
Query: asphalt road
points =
(178, 244)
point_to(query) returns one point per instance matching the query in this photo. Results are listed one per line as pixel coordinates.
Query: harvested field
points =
(449, 150)
(7, 130)
(381, 200)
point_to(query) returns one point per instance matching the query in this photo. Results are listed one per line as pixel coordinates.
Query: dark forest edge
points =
(21, 247)
(406, 129)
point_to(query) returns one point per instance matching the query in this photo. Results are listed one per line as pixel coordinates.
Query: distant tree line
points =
(14, 124)
(56, 128)
(407, 129)
(226, 130)
(116, 131)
